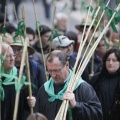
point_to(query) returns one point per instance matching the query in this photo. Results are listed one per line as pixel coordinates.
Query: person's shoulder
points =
(71, 59)
(42, 88)
(85, 86)
(95, 75)
(86, 90)
(33, 62)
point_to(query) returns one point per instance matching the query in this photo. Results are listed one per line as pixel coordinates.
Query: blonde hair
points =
(36, 116)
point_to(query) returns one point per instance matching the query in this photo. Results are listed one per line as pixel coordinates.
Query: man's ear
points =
(67, 64)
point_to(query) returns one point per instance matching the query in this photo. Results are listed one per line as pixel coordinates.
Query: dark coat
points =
(85, 75)
(88, 106)
(45, 49)
(7, 106)
(97, 64)
(38, 78)
(105, 86)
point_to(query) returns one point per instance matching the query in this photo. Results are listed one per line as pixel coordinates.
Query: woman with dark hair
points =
(107, 83)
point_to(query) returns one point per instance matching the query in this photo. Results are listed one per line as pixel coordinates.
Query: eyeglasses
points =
(17, 49)
(10, 56)
(54, 71)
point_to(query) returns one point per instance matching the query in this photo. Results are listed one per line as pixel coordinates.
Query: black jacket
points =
(7, 106)
(105, 86)
(88, 106)
(38, 78)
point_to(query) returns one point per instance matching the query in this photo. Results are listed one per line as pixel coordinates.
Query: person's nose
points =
(111, 61)
(16, 52)
(12, 58)
(53, 75)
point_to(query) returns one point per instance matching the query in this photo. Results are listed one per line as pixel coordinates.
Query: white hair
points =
(59, 16)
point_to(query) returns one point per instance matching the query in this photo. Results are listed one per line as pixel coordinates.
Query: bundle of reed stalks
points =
(85, 59)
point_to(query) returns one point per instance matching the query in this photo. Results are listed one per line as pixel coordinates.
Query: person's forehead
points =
(29, 35)
(55, 62)
(47, 34)
(6, 48)
(112, 55)
(10, 51)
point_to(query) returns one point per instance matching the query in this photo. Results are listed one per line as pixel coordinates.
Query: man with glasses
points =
(83, 101)
(64, 44)
(37, 75)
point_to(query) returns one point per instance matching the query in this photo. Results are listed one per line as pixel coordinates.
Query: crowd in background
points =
(101, 75)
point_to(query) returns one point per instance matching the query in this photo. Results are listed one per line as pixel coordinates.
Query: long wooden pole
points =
(19, 79)
(54, 12)
(27, 61)
(81, 41)
(39, 38)
(84, 65)
(60, 112)
(93, 35)
(15, 13)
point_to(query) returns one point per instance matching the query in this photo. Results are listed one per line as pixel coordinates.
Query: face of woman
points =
(112, 64)
(9, 60)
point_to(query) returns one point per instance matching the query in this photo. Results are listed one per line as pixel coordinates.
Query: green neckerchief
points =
(13, 73)
(49, 88)
(7, 81)
(9, 76)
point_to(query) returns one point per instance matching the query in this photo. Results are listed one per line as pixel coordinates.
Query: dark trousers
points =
(46, 9)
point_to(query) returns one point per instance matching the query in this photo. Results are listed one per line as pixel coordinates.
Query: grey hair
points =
(62, 56)
(59, 16)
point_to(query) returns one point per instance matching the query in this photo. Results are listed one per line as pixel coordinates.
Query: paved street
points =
(74, 16)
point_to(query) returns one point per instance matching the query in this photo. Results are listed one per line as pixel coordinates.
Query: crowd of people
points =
(97, 92)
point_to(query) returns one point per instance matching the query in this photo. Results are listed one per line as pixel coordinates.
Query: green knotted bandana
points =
(49, 88)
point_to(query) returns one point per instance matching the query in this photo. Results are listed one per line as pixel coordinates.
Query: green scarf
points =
(49, 88)
(11, 74)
